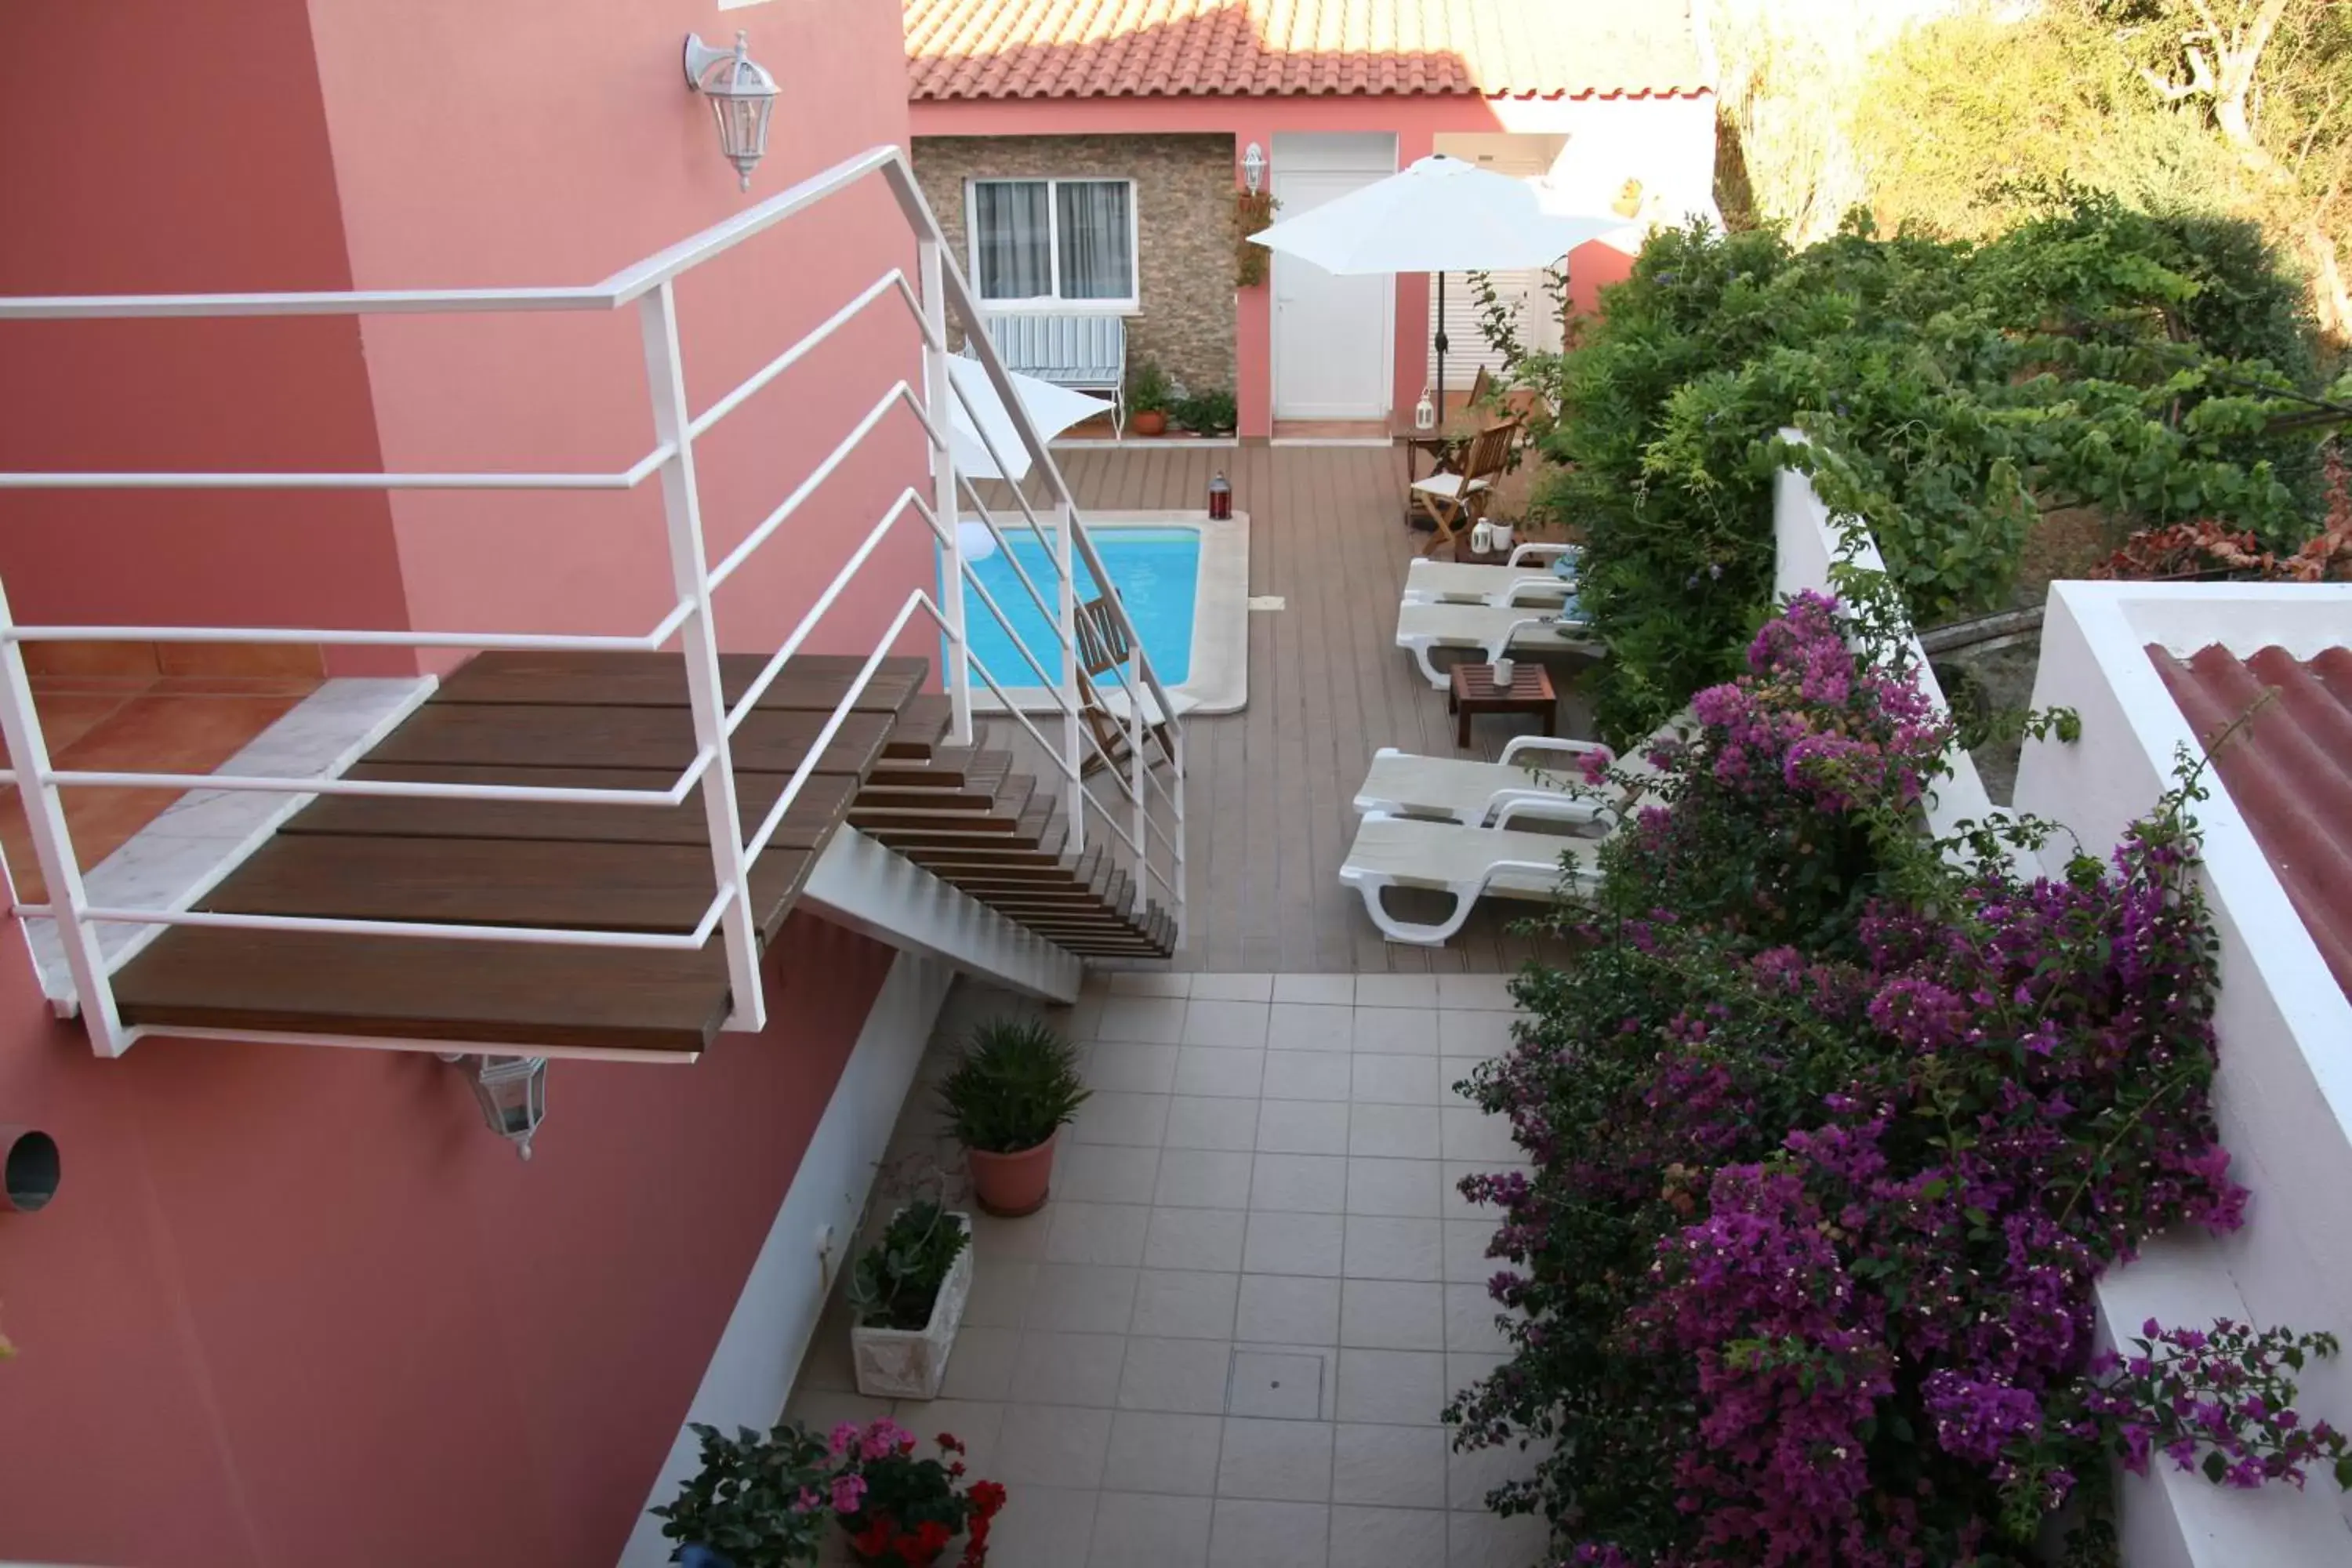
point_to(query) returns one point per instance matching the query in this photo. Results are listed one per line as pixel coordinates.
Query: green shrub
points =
(1149, 390)
(898, 1277)
(1017, 1082)
(1212, 413)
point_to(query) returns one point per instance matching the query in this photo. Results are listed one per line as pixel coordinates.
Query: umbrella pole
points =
(1440, 350)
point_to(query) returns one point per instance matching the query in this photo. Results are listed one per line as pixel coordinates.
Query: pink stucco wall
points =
(297, 1306)
(153, 149)
(1643, 134)
(450, 175)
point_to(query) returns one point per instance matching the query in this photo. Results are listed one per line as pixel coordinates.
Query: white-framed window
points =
(1053, 244)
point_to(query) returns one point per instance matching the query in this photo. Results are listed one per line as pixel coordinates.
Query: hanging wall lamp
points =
(1254, 168)
(742, 95)
(511, 1092)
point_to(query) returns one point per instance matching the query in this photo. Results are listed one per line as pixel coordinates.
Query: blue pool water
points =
(1157, 571)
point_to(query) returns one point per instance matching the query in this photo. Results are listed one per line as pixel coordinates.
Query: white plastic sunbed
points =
(1422, 627)
(1428, 582)
(1460, 789)
(1469, 863)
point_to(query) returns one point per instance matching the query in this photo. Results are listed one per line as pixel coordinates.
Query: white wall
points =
(2283, 1095)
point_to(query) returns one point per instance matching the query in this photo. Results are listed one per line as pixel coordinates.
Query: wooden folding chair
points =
(1482, 386)
(1103, 648)
(1454, 502)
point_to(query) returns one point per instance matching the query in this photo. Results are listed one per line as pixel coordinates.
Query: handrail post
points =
(1075, 804)
(937, 395)
(1183, 884)
(45, 816)
(1139, 695)
(690, 575)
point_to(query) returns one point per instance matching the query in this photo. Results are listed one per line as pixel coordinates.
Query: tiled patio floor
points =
(1228, 1338)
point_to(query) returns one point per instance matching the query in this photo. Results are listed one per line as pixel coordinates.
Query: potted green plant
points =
(907, 1297)
(1210, 412)
(1149, 397)
(909, 1510)
(757, 1501)
(1007, 1100)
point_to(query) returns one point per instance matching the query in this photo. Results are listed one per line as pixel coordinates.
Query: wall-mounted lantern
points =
(511, 1093)
(28, 1169)
(742, 95)
(1254, 169)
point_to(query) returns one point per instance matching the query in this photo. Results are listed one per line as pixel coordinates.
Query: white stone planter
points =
(907, 1363)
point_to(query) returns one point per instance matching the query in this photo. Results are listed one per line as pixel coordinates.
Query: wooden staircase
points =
(608, 720)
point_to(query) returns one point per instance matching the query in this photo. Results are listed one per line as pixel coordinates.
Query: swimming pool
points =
(1157, 571)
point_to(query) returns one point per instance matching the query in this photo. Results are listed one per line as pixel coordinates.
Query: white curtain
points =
(1010, 240)
(1098, 259)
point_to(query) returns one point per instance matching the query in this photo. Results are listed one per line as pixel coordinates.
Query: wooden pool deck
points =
(1270, 785)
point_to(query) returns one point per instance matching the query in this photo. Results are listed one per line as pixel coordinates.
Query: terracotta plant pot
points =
(1010, 1185)
(1152, 424)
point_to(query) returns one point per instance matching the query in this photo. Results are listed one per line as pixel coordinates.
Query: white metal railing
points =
(938, 297)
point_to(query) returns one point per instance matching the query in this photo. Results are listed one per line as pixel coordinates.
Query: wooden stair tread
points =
(578, 736)
(808, 680)
(815, 813)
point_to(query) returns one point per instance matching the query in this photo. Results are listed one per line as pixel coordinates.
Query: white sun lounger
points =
(1469, 863)
(1428, 582)
(1422, 627)
(1458, 789)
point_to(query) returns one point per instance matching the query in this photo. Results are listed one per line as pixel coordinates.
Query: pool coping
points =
(1219, 677)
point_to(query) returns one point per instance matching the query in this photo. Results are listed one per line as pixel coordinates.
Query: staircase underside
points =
(606, 721)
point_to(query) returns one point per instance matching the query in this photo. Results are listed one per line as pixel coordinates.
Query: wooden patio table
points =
(1474, 692)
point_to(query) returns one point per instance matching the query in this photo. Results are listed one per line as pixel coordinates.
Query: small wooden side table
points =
(1474, 692)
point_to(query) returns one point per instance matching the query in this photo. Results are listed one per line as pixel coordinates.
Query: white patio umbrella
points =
(1052, 409)
(1437, 214)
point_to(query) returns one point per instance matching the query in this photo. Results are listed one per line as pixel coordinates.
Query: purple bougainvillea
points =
(1827, 1141)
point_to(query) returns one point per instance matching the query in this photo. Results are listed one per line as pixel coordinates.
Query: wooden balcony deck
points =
(1270, 786)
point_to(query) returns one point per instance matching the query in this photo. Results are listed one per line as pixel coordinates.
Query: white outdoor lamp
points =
(742, 95)
(1254, 168)
(511, 1092)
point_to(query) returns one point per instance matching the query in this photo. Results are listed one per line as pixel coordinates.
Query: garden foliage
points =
(1830, 1138)
(2092, 356)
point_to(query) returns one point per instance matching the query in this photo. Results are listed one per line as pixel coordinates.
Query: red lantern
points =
(1221, 499)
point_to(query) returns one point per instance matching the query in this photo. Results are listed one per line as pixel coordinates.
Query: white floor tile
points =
(1068, 1369)
(1163, 1451)
(1475, 991)
(1096, 1233)
(1407, 1189)
(1474, 1135)
(981, 1365)
(1395, 1031)
(1311, 1025)
(1220, 1072)
(1081, 1298)
(1280, 1243)
(1184, 1304)
(1115, 1117)
(1150, 983)
(1182, 1375)
(1203, 1178)
(1233, 1023)
(1233, 987)
(1137, 1529)
(1393, 1131)
(1197, 1121)
(1209, 1239)
(1454, 1077)
(1386, 1537)
(1288, 1309)
(1041, 1524)
(1393, 1080)
(1470, 1320)
(1391, 1387)
(1248, 1533)
(1106, 1173)
(1302, 1127)
(1000, 1294)
(1481, 1035)
(1394, 1467)
(1284, 1461)
(1393, 1315)
(1309, 1075)
(1131, 1067)
(1154, 1018)
(1052, 1445)
(1396, 990)
(1380, 1246)
(1466, 1262)
(1316, 988)
(1311, 1183)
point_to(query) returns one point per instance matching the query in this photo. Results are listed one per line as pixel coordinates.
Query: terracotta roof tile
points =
(2289, 771)
(1113, 48)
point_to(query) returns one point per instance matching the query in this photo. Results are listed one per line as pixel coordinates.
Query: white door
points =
(1331, 335)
